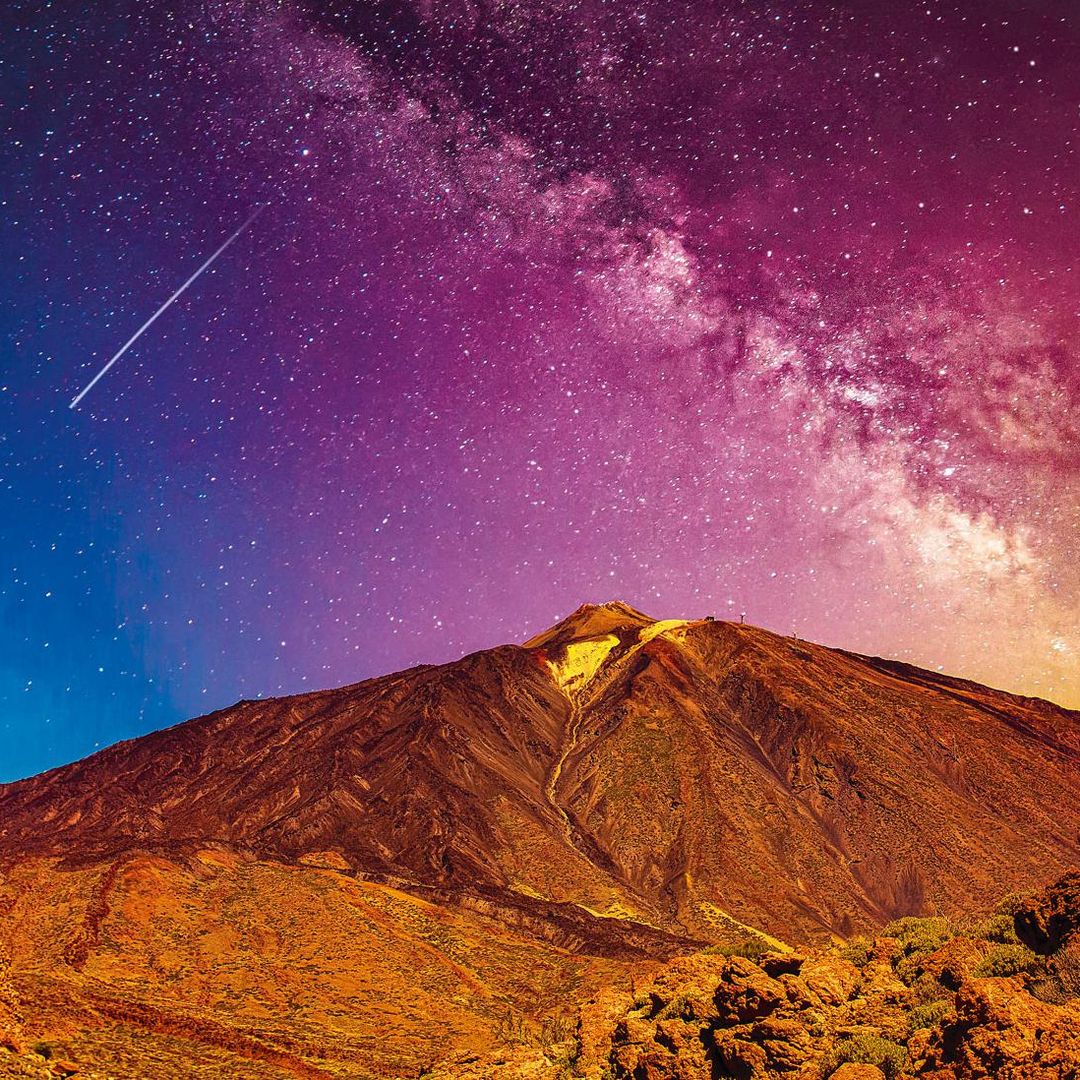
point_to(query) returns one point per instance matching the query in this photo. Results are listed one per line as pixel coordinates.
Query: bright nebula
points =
(714, 308)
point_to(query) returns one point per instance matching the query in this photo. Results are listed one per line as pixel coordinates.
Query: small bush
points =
(42, 1049)
(556, 1029)
(999, 928)
(513, 1028)
(1061, 981)
(751, 948)
(564, 1059)
(919, 935)
(1014, 902)
(857, 951)
(909, 970)
(1005, 960)
(1066, 970)
(929, 1015)
(927, 989)
(678, 1007)
(888, 1056)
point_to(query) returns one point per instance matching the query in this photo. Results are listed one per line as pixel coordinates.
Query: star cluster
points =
(714, 308)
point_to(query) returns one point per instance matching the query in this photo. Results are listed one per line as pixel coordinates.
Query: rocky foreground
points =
(993, 996)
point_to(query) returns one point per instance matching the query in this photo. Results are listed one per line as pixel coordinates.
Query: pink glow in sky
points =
(711, 308)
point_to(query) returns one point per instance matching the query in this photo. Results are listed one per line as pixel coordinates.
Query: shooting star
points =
(168, 303)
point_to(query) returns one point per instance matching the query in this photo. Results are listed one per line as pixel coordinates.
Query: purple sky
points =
(712, 308)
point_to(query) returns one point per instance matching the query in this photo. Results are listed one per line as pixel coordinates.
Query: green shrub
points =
(929, 1015)
(563, 1059)
(857, 951)
(909, 970)
(678, 1007)
(888, 1056)
(1014, 902)
(927, 989)
(1000, 928)
(919, 935)
(751, 948)
(1005, 960)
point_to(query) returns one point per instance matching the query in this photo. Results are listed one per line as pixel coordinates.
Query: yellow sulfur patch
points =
(582, 661)
(649, 632)
(584, 658)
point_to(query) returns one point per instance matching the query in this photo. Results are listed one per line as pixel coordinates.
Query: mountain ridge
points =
(490, 841)
(529, 726)
(885, 663)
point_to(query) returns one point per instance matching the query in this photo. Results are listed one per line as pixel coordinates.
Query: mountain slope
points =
(666, 769)
(422, 865)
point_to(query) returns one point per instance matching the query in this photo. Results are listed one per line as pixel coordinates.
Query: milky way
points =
(713, 308)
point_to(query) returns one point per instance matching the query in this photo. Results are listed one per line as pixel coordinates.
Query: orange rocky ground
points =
(448, 862)
(936, 999)
(293, 969)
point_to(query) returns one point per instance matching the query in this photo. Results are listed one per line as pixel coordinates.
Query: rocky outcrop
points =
(904, 1005)
(1051, 920)
(1001, 1032)
(731, 1016)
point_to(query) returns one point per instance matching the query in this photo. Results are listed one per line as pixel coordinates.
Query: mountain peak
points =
(592, 620)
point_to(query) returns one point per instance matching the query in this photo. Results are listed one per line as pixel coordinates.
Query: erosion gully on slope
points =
(578, 674)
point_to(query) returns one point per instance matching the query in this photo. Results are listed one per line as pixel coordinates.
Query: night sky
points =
(709, 307)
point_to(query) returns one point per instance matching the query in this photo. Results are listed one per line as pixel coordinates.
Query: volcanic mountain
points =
(377, 877)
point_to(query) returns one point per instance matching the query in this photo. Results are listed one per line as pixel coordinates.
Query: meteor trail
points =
(164, 307)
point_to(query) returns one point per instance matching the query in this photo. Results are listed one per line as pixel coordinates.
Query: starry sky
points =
(762, 308)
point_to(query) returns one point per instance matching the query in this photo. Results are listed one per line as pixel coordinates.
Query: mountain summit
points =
(592, 620)
(617, 789)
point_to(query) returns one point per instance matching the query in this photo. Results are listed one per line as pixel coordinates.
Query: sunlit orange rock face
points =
(428, 866)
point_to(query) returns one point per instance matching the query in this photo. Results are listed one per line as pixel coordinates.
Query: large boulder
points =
(1052, 919)
(954, 963)
(1001, 1032)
